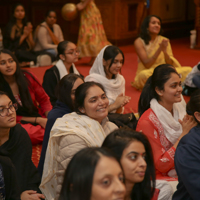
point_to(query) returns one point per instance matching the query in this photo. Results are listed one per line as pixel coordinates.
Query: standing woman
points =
(23, 88)
(18, 36)
(162, 112)
(106, 71)
(153, 50)
(48, 35)
(92, 37)
(67, 54)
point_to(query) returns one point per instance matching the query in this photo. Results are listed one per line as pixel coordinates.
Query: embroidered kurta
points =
(163, 150)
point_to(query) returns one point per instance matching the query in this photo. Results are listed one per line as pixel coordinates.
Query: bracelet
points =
(178, 139)
(35, 120)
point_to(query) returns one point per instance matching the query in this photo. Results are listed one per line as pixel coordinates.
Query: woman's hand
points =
(187, 123)
(80, 6)
(121, 101)
(41, 121)
(164, 44)
(31, 195)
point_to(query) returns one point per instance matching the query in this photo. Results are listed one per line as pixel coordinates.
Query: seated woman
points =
(48, 35)
(18, 36)
(105, 70)
(162, 119)
(187, 158)
(22, 87)
(67, 54)
(134, 152)
(16, 146)
(64, 105)
(87, 127)
(153, 50)
(102, 172)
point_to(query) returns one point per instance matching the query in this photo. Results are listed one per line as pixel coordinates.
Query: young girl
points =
(162, 110)
(15, 145)
(187, 158)
(64, 105)
(67, 54)
(106, 70)
(102, 172)
(23, 88)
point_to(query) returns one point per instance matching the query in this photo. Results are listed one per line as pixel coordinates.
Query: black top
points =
(58, 111)
(19, 149)
(187, 165)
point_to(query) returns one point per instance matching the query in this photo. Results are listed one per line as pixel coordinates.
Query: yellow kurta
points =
(92, 37)
(143, 73)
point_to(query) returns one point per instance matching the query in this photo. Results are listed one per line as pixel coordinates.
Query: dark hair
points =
(160, 76)
(78, 178)
(81, 93)
(13, 19)
(194, 104)
(64, 89)
(22, 83)
(119, 140)
(4, 93)
(144, 33)
(110, 53)
(48, 12)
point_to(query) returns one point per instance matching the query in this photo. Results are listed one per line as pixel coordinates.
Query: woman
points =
(100, 170)
(133, 150)
(87, 127)
(187, 156)
(153, 50)
(18, 36)
(92, 37)
(67, 54)
(64, 105)
(162, 118)
(16, 147)
(48, 35)
(105, 70)
(23, 88)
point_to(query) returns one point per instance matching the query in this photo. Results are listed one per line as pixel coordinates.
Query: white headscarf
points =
(62, 69)
(113, 87)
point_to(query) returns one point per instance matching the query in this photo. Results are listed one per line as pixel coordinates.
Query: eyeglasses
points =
(75, 52)
(5, 111)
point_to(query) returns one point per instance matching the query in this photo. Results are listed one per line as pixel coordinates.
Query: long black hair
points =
(194, 104)
(160, 76)
(119, 140)
(64, 89)
(22, 83)
(78, 178)
(144, 33)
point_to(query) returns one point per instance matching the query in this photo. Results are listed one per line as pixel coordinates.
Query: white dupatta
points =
(172, 127)
(113, 87)
(62, 69)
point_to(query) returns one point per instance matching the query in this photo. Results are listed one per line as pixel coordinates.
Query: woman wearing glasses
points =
(15, 146)
(67, 55)
(22, 87)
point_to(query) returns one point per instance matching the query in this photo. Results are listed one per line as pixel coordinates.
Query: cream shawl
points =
(89, 130)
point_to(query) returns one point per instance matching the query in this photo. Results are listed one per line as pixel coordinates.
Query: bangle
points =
(178, 139)
(35, 120)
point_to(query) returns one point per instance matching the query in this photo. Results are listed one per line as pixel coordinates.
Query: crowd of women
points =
(84, 155)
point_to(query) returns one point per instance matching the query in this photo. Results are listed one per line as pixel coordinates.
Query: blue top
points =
(58, 111)
(187, 164)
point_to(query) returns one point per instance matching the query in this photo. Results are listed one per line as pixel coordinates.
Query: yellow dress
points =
(92, 37)
(143, 73)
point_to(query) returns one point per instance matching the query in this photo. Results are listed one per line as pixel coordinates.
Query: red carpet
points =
(181, 50)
